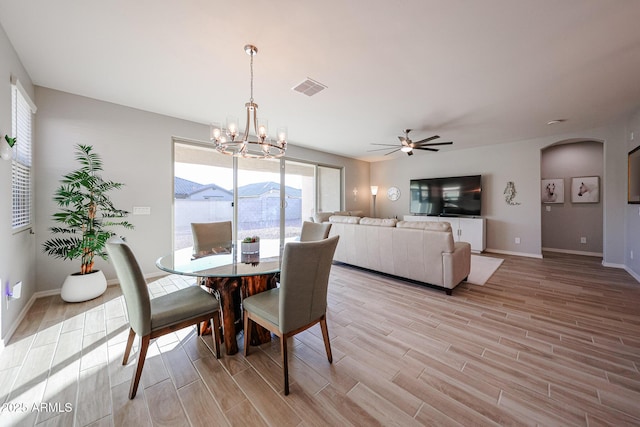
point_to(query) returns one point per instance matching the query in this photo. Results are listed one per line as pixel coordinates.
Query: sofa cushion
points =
(380, 222)
(425, 225)
(344, 219)
(322, 216)
(348, 213)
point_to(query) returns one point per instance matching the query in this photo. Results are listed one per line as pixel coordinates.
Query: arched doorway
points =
(572, 220)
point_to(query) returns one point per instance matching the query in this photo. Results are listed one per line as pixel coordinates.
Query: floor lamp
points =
(374, 192)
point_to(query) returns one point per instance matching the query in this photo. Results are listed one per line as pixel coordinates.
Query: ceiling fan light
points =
(406, 149)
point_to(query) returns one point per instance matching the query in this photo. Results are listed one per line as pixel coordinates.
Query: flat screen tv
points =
(452, 196)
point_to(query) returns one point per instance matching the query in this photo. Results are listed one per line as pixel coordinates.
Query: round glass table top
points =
(219, 263)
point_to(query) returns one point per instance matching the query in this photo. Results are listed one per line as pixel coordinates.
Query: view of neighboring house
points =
(259, 213)
(189, 190)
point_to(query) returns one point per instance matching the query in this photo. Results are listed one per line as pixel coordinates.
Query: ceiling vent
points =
(309, 87)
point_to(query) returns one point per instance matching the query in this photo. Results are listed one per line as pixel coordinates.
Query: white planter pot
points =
(6, 152)
(83, 287)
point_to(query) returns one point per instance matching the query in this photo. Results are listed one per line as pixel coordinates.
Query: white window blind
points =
(23, 110)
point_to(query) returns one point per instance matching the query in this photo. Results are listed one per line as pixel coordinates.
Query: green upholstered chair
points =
(314, 231)
(211, 237)
(152, 318)
(301, 300)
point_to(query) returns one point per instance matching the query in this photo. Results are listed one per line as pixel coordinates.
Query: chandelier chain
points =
(251, 97)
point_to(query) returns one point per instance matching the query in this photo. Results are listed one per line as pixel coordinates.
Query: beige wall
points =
(136, 147)
(632, 223)
(17, 260)
(518, 162)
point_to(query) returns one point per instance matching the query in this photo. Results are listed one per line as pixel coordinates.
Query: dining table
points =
(228, 271)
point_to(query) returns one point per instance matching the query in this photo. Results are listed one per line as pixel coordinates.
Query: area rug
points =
(482, 268)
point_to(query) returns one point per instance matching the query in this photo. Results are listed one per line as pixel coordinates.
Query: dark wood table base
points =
(226, 288)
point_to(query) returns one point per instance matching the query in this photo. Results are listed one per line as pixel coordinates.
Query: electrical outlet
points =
(583, 240)
(517, 240)
(548, 208)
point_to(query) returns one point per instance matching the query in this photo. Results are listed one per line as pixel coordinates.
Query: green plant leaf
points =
(86, 213)
(11, 141)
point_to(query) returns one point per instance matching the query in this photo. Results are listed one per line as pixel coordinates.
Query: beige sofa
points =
(420, 251)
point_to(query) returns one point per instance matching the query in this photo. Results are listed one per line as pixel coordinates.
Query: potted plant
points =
(250, 245)
(250, 250)
(5, 150)
(86, 215)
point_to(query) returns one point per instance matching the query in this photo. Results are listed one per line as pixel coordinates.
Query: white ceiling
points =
(475, 72)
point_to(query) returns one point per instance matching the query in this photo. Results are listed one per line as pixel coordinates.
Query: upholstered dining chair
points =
(152, 318)
(211, 237)
(301, 300)
(314, 231)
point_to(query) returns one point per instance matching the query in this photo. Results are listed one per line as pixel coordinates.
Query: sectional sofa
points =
(421, 251)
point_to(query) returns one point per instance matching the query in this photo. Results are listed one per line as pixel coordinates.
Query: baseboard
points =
(20, 318)
(43, 294)
(612, 265)
(632, 273)
(568, 251)
(525, 254)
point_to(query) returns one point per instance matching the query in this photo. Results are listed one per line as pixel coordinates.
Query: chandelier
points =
(257, 145)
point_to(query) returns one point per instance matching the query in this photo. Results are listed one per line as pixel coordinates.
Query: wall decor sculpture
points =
(510, 194)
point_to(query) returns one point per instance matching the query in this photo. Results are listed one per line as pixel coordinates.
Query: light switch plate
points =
(142, 210)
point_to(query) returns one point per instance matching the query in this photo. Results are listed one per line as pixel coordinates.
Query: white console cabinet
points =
(465, 229)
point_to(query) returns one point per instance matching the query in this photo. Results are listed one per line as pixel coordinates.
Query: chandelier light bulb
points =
(216, 132)
(263, 126)
(282, 135)
(232, 127)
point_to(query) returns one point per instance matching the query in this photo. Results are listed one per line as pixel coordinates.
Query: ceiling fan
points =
(407, 145)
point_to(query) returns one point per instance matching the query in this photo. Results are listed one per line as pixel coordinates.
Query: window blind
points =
(21, 163)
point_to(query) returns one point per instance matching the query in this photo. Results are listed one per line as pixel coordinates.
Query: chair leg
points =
(144, 346)
(285, 363)
(127, 349)
(325, 336)
(247, 332)
(215, 334)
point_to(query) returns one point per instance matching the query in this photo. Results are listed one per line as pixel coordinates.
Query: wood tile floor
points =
(544, 342)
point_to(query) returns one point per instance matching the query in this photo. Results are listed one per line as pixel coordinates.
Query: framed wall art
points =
(634, 176)
(552, 190)
(585, 189)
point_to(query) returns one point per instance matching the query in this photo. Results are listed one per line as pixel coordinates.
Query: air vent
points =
(309, 87)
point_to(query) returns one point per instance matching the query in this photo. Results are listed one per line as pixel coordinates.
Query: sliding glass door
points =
(259, 204)
(268, 198)
(329, 189)
(203, 189)
(299, 197)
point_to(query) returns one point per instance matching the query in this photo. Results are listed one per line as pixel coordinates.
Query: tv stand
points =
(464, 229)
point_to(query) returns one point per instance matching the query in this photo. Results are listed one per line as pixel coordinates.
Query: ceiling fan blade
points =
(383, 149)
(391, 152)
(425, 148)
(428, 139)
(433, 143)
(388, 145)
(403, 140)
